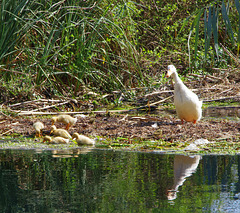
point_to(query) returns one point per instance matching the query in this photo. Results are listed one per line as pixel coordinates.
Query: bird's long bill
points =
(169, 73)
(51, 131)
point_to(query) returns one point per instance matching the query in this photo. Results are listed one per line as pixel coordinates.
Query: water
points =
(221, 112)
(91, 180)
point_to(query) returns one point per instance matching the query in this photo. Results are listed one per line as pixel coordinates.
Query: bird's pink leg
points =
(67, 127)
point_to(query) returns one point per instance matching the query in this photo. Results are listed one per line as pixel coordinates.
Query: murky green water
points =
(114, 181)
(222, 112)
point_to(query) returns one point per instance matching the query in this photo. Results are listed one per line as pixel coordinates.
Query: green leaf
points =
(237, 6)
(207, 29)
(238, 9)
(184, 23)
(227, 22)
(215, 29)
(197, 31)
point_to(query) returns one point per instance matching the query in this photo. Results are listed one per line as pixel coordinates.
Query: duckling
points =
(56, 140)
(187, 104)
(82, 139)
(66, 119)
(60, 132)
(38, 126)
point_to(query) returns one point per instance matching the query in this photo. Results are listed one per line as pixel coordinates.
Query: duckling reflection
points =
(184, 166)
(74, 153)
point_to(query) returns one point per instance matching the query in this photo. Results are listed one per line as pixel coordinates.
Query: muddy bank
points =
(126, 128)
(165, 127)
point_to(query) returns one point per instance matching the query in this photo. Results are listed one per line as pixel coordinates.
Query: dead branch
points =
(34, 101)
(171, 91)
(10, 130)
(72, 113)
(158, 92)
(208, 77)
(52, 106)
(17, 72)
(234, 57)
(158, 102)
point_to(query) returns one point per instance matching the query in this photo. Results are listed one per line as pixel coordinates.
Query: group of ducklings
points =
(62, 136)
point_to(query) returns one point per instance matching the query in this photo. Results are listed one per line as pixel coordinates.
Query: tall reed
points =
(69, 44)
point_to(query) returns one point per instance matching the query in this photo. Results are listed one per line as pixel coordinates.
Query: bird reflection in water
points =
(184, 166)
(70, 153)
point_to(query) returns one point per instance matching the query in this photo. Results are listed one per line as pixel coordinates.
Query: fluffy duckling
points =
(66, 119)
(56, 140)
(187, 104)
(60, 132)
(38, 126)
(82, 139)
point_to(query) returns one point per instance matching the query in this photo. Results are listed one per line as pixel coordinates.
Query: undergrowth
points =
(68, 48)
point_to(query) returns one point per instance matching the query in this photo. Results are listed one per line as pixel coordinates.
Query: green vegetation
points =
(222, 146)
(50, 48)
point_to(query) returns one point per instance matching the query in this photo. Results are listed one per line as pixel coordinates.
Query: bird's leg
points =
(67, 127)
(182, 121)
(194, 121)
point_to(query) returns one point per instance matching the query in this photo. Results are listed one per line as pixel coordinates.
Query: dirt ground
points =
(163, 124)
(118, 125)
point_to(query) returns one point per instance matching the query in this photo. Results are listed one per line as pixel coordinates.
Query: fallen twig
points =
(209, 77)
(158, 102)
(34, 101)
(52, 106)
(225, 91)
(234, 57)
(171, 91)
(13, 71)
(72, 113)
(158, 92)
(146, 118)
(6, 132)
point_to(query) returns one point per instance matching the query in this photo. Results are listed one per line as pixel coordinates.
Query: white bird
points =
(60, 132)
(38, 126)
(56, 139)
(66, 119)
(187, 104)
(82, 139)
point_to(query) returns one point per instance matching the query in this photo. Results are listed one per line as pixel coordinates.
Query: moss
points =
(218, 147)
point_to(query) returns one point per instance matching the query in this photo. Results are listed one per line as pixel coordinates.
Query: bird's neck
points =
(176, 78)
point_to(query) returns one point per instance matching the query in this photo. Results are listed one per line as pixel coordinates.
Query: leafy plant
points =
(71, 44)
(221, 29)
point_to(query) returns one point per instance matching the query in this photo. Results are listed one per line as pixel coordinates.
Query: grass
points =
(68, 48)
(123, 144)
(70, 45)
